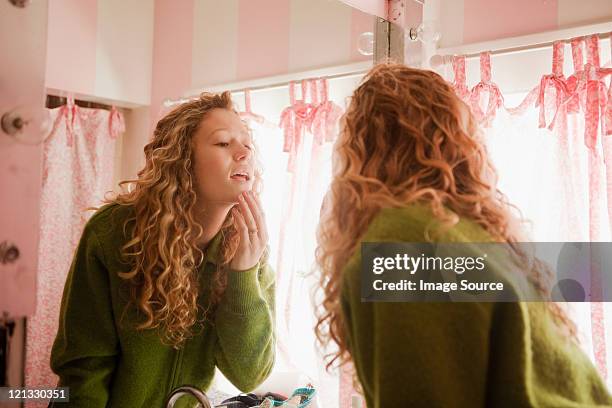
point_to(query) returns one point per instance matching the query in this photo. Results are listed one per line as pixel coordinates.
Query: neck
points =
(211, 219)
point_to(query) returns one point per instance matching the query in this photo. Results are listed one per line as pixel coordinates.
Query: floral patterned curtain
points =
(77, 171)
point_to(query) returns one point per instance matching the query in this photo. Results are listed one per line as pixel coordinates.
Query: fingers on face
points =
(260, 218)
(243, 230)
(246, 212)
(257, 214)
(251, 219)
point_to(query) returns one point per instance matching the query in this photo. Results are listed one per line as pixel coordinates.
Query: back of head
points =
(406, 138)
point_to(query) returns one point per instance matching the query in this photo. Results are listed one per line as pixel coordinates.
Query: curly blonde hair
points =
(163, 233)
(406, 138)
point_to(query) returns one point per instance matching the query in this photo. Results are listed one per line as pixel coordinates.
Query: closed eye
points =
(222, 144)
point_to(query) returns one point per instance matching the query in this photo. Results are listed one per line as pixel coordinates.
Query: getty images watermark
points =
(486, 272)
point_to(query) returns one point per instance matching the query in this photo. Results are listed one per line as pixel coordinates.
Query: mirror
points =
(114, 68)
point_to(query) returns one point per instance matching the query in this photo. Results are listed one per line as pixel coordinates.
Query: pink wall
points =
(360, 23)
(263, 38)
(72, 37)
(100, 50)
(470, 21)
(22, 79)
(488, 20)
(172, 45)
(124, 50)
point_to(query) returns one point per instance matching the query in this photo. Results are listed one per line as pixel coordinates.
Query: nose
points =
(242, 153)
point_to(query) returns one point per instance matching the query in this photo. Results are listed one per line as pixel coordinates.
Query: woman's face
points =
(224, 164)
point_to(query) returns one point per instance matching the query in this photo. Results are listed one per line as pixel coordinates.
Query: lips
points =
(241, 175)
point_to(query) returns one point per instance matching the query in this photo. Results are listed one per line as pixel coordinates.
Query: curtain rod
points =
(54, 101)
(514, 45)
(280, 81)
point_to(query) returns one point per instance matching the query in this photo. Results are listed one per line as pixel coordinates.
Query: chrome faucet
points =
(188, 389)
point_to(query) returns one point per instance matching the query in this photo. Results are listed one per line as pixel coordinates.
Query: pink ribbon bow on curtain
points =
(605, 96)
(608, 111)
(496, 100)
(325, 116)
(556, 82)
(116, 123)
(577, 79)
(608, 114)
(586, 88)
(294, 120)
(596, 99)
(69, 111)
(248, 114)
(459, 82)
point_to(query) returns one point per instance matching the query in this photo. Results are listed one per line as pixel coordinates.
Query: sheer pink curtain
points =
(77, 172)
(309, 128)
(297, 170)
(553, 153)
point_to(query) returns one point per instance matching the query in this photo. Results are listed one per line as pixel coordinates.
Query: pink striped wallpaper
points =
(469, 21)
(206, 42)
(488, 20)
(172, 45)
(263, 40)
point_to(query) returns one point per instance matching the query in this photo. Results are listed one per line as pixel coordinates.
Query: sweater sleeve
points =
(245, 327)
(85, 350)
(418, 354)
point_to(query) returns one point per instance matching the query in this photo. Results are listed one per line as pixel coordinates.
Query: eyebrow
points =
(244, 133)
(217, 130)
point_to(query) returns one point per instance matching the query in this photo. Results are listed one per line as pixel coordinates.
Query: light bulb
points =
(426, 32)
(365, 43)
(26, 124)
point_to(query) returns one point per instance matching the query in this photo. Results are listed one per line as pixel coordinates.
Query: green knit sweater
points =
(107, 362)
(459, 354)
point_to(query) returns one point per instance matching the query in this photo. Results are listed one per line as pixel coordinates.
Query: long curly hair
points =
(162, 248)
(406, 138)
